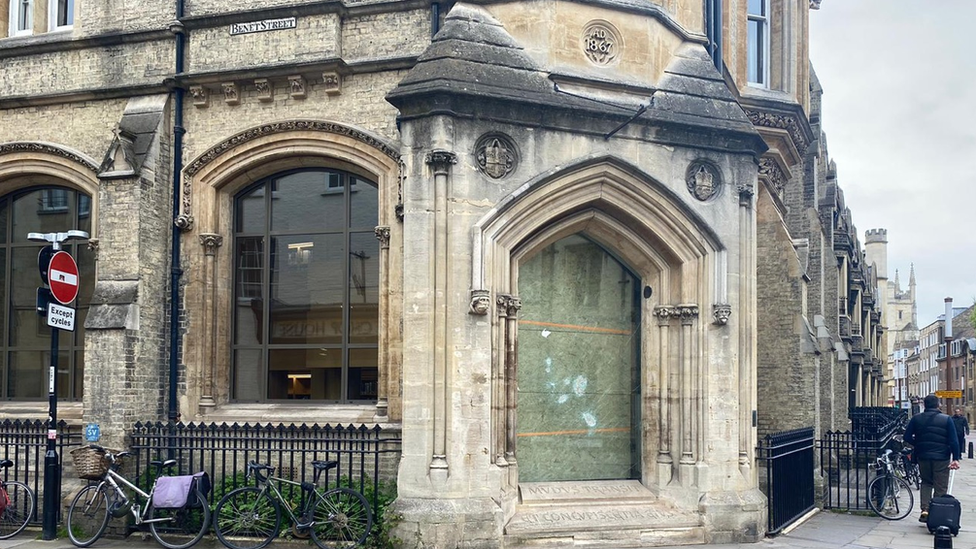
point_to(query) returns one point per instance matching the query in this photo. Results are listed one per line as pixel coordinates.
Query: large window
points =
(26, 338)
(306, 288)
(758, 43)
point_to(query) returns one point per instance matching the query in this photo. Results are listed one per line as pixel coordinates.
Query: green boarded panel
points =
(578, 370)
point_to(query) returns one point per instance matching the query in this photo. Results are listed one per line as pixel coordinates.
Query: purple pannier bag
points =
(173, 492)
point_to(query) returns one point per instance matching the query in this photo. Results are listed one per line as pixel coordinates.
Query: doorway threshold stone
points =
(549, 493)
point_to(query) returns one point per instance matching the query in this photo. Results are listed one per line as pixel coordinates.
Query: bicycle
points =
(907, 470)
(250, 517)
(89, 512)
(20, 505)
(888, 495)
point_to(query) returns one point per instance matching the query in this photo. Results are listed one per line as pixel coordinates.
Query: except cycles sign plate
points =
(60, 317)
(62, 277)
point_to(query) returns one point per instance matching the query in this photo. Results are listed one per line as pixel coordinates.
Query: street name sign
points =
(62, 318)
(948, 394)
(62, 277)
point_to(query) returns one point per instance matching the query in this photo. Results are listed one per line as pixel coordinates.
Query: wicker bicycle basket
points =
(90, 464)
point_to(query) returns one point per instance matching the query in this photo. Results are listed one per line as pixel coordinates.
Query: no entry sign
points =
(62, 277)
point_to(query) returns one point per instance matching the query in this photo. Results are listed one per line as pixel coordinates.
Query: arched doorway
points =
(579, 365)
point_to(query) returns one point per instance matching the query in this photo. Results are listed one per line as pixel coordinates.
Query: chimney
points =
(948, 320)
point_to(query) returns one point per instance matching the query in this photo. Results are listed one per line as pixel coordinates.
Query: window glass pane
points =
(251, 214)
(64, 373)
(755, 51)
(27, 328)
(79, 378)
(28, 374)
(41, 211)
(86, 271)
(364, 275)
(84, 213)
(308, 201)
(307, 283)
(757, 7)
(314, 374)
(248, 375)
(249, 305)
(364, 198)
(3, 221)
(363, 374)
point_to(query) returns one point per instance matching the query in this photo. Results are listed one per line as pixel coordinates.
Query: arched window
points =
(25, 335)
(306, 288)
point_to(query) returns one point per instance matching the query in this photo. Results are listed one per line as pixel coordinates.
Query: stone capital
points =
(440, 161)
(508, 305)
(211, 242)
(664, 313)
(687, 312)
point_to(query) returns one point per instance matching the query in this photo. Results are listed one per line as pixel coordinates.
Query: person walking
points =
(962, 428)
(933, 436)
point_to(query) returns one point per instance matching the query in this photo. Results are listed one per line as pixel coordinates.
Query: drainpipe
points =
(713, 30)
(435, 18)
(176, 272)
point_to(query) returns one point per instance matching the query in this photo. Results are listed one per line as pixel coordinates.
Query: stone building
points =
(526, 235)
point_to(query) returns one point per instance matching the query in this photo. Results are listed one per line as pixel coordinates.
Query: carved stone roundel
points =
(496, 155)
(704, 180)
(601, 42)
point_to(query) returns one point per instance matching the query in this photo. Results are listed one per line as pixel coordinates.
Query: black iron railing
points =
(788, 460)
(25, 443)
(847, 457)
(367, 456)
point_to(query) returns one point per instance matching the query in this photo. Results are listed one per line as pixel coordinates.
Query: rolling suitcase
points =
(945, 510)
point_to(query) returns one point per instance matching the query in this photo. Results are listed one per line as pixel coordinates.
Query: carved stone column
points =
(687, 313)
(511, 305)
(383, 370)
(665, 461)
(210, 242)
(440, 163)
(747, 324)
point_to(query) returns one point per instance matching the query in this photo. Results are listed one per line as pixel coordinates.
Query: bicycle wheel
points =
(890, 497)
(342, 519)
(247, 518)
(88, 515)
(915, 476)
(182, 527)
(19, 511)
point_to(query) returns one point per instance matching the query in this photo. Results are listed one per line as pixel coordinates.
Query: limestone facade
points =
(558, 194)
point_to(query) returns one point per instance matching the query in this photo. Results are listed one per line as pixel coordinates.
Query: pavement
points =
(822, 530)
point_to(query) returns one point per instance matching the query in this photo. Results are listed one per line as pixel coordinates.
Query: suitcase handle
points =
(952, 477)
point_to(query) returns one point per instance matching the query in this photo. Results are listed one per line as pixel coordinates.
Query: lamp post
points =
(52, 468)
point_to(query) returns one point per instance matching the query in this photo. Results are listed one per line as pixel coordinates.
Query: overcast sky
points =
(899, 110)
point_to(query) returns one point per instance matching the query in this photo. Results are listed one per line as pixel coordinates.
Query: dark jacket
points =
(962, 425)
(933, 435)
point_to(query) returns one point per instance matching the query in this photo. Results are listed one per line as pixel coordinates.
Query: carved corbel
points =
(664, 313)
(265, 90)
(440, 161)
(211, 242)
(232, 93)
(93, 247)
(297, 86)
(721, 313)
(480, 302)
(383, 235)
(508, 305)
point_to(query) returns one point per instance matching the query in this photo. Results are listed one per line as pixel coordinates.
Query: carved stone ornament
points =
(780, 121)
(769, 169)
(401, 177)
(601, 42)
(46, 148)
(721, 312)
(93, 247)
(264, 89)
(815, 4)
(232, 93)
(664, 313)
(440, 160)
(703, 180)
(211, 242)
(297, 86)
(383, 235)
(508, 305)
(480, 302)
(496, 155)
(687, 312)
(332, 82)
(199, 96)
(746, 192)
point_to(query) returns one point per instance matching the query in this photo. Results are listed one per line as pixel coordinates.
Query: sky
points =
(899, 111)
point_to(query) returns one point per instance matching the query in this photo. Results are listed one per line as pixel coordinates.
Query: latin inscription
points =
(580, 490)
(607, 515)
(265, 25)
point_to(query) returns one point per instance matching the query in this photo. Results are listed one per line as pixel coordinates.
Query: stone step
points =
(558, 493)
(598, 518)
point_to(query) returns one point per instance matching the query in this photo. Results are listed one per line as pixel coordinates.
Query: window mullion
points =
(266, 293)
(347, 265)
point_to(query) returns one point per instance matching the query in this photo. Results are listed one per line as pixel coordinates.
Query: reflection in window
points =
(306, 289)
(62, 14)
(24, 335)
(758, 43)
(21, 20)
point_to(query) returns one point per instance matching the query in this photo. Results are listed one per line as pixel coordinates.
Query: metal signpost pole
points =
(52, 465)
